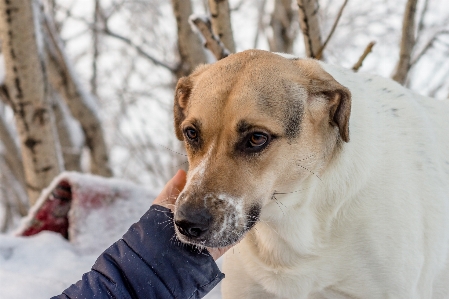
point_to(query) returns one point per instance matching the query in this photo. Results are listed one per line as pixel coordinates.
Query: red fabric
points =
(52, 215)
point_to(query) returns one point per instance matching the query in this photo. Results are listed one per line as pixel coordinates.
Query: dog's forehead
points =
(251, 83)
(260, 67)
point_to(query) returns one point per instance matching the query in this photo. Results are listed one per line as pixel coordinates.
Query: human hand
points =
(168, 196)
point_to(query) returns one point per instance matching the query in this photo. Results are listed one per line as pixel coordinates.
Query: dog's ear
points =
(320, 83)
(339, 107)
(182, 94)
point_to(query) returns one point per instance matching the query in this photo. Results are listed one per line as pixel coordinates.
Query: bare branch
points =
(12, 156)
(237, 6)
(95, 46)
(368, 50)
(16, 198)
(320, 52)
(439, 86)
(428, 45)
(79, 101)
(212, 42)
(421, 18)
(139, 49)
(65, 124)
(407, 43)
(310, 27)
(260, 23)
(221, 22)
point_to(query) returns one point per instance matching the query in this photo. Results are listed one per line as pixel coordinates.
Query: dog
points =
(334, 184)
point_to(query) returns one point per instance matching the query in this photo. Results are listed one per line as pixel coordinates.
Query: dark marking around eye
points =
(243, 126)
(192, 133)
(253, 143)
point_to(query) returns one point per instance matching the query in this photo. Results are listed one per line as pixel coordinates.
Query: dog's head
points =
(253, 124)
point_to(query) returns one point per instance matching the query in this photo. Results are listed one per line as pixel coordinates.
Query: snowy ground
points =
(45, 264)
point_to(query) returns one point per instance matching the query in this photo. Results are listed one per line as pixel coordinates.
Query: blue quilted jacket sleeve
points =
(149, 262)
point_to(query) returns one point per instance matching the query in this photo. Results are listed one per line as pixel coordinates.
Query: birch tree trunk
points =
(27, 89)
(221, 22)
(407, 43)
(310, 26)
(189, 44)
(282, 20)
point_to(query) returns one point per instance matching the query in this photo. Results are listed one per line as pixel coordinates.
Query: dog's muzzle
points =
(213, 220)
(193, 222)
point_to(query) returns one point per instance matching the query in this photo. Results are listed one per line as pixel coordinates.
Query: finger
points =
(216, 253)
(169, 194)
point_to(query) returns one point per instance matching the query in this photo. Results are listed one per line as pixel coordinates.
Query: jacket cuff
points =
(187, 271)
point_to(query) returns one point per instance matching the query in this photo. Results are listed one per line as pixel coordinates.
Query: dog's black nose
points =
(191, 221)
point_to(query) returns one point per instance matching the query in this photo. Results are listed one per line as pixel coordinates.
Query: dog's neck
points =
(321, 202)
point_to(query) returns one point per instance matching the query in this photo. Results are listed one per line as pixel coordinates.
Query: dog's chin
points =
(212, 241)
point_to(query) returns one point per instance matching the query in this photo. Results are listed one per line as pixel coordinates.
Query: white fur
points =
(196, 175)
(286, 55)
(376, 225)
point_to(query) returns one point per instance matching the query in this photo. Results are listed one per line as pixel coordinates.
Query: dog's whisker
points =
(177, 166)
(172, 150)
(167, 225)
(310, 172)
(276, 201)
(306, 158)
(284, 193)
(273, 197)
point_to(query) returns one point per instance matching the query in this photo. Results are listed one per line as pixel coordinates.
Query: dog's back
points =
(409, 179)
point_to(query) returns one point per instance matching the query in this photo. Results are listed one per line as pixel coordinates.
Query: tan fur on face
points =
(294, 100)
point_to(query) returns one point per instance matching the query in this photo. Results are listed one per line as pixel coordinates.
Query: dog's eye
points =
(191, 133)
(257, 140)
(254, 143)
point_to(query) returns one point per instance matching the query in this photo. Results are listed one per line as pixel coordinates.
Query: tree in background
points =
(129, 54)
(42, 91)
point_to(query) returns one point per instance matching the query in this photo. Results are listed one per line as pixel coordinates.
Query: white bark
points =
(221, 22)
(407, 43)
(189, 44)
(26, 87)
(212, 42)
(310, 26)
(282, 25)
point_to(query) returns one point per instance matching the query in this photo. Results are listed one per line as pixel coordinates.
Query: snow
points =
(45, 264)
(209, 55)
(40, 266)
(286, 55)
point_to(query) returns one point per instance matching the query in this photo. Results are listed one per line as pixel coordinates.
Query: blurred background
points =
(87, 85)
